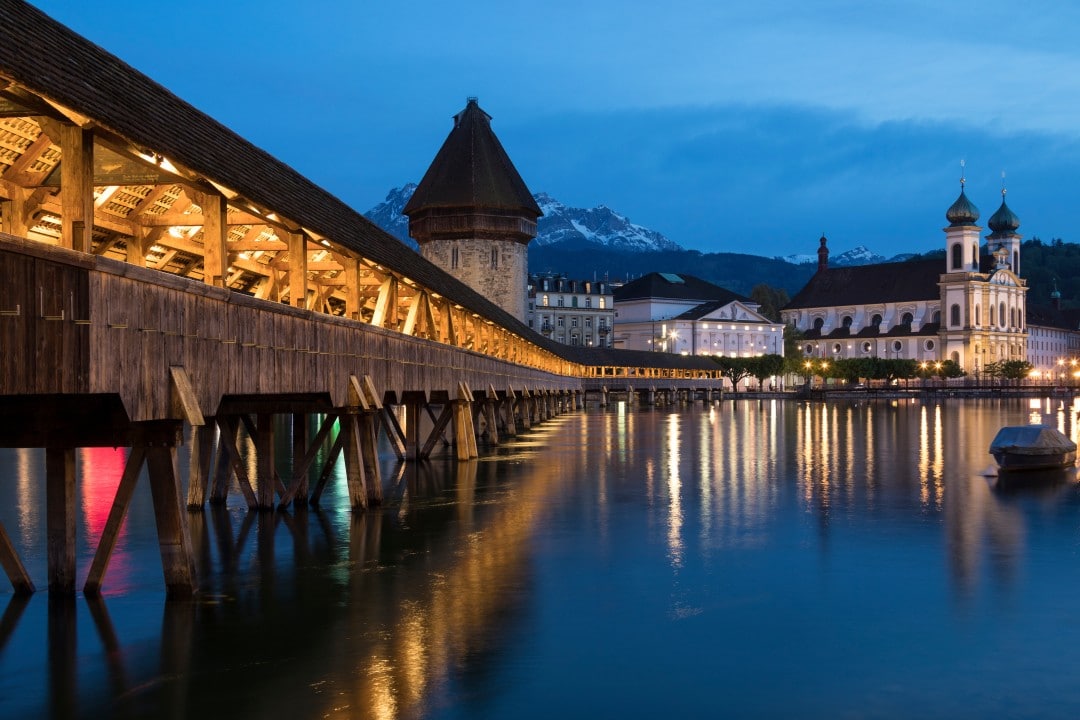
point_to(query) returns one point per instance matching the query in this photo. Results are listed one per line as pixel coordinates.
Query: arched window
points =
(837, 347)
(929, 345)
(808, 350)
(1001, 314)
(954, 315)
(876, 320)
(897, 346)
(975, 255)
(573, 301)
(847, 321)
(957, 257)
(544, 301)
(936, 317)
(1016, 262)
(819, 323)
(977, 318)
(906, 318)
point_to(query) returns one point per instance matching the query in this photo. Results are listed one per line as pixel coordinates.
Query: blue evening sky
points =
(730, 126)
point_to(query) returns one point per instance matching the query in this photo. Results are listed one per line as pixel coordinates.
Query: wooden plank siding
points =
(101, 326)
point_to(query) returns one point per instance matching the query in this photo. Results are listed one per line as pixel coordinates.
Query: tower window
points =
(494, 258)
(455, 258)
(954, 315)
(957, 257)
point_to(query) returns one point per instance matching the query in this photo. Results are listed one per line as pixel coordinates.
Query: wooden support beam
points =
(328, 466)
(386, 310)
(13, 566)
(76, 187)
(437, 431)
(298, 270)
(16, 212)
(60, 518)
(185, 404)
(264, 462)
(202, 455)
(174, 540)
(227, 439)
(389, 421)
(354, 465)
(215, 236)
(107, 541)
(302, 461)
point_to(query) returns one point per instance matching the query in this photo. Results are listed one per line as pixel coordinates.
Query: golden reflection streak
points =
(25, 477)
(430, 631)
(706, 471)
(924, 458)
(868, 457)
(674, 483)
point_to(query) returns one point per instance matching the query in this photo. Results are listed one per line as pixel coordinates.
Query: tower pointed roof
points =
(472, 170)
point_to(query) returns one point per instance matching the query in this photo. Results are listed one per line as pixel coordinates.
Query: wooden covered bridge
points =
(156, 269)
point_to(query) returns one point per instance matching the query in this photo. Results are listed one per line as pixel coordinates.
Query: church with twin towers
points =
(969, 308)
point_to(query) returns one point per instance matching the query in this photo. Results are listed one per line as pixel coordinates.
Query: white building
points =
(682, 314)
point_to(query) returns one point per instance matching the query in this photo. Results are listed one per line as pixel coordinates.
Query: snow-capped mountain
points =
(387, 214)
(860, 255)
(599, 225)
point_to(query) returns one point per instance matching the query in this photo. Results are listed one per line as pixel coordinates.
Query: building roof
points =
(911, 281)
(472, 170)
(668, 286)
(700, 311)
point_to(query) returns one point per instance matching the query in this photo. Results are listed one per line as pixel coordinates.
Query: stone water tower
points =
(472, 214)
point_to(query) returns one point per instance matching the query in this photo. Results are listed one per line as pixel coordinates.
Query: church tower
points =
(472, 214)
(963, 312)
(1003, 226)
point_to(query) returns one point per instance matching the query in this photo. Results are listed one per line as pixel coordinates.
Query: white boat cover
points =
(1031, 440)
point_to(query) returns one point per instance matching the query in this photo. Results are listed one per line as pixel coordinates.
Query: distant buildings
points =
(573, 312)
(970, 307)
(665, 312)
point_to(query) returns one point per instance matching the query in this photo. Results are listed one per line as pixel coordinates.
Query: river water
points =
(747, 559)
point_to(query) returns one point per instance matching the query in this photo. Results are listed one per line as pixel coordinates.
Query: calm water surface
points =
(752, 559)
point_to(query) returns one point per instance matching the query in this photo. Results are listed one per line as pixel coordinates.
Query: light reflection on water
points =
(748, 559)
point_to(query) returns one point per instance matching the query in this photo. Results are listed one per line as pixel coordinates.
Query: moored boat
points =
(1032, 447)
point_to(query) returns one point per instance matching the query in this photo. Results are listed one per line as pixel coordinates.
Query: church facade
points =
(969, 308)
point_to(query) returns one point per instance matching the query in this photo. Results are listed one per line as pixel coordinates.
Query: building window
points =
(929, 345)
(573, 301)
(867, 347)
(562, 301)
(897, 346)
(936, 317)
(588, 322)
(954, 315)
(544, 301)
(530, 306)
(957, 257)
(573, 322)
(588, 302)
(574, 340)
(977, 318)
(907, 319)
(602, 305)
(847, 321)
(1001, 314)
(875, 321)
(837, 347)
(560, 322)
(494, 258)
(455, 257)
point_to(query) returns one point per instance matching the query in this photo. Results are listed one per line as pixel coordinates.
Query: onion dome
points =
(962, 212)
(1004, 221)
